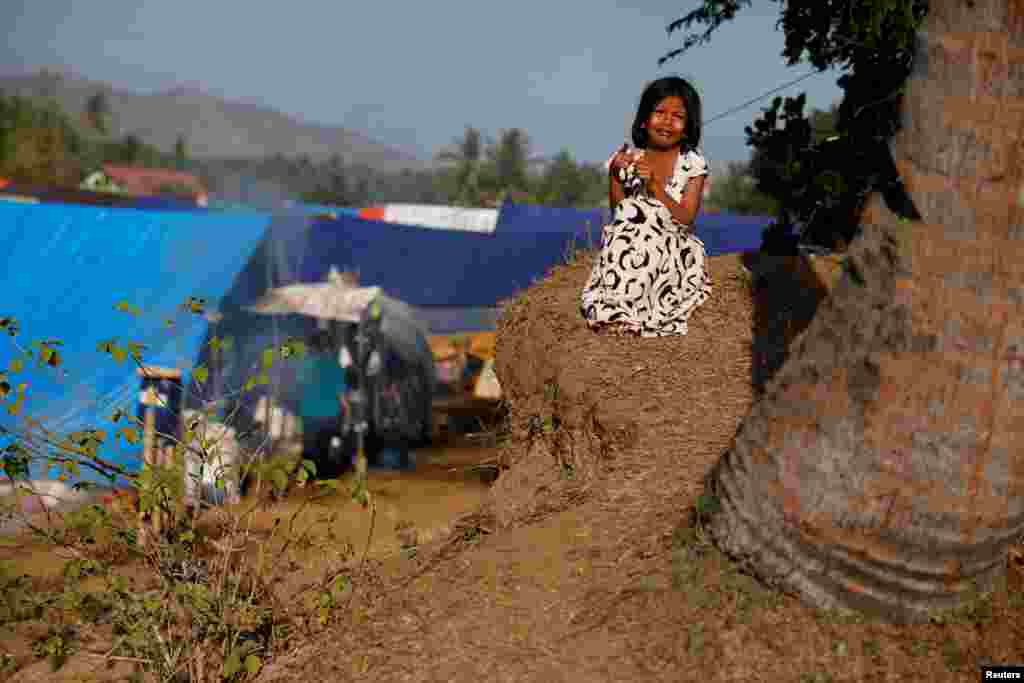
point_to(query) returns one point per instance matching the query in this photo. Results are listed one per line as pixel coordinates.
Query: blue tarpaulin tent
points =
(445, 268)
(722, 233)
(67, 266)
(163, 203)
(728, 233)
(585, 224)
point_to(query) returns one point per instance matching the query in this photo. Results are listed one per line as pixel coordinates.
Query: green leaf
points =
(293, 348)
(232, 665)
(126, 307)
(16, 365)
(280, 480)
(130, 434)
(10, 325)
(263, 378)
(227, 343)
(200, 373)
(331, 484)
(250, 384)
(253, 664)
(135, 349)
(310, 467)
(268, 359)
(195, 305)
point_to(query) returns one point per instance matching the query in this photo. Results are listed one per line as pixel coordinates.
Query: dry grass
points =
(587, 562)
(413, 509)
(596, 570)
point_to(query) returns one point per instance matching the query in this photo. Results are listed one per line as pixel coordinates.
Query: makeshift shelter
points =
(290, 254)
(583, 224)
(434, 216)
(68, 267)
(722, 233)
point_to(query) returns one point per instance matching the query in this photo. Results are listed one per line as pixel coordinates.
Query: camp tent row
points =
(69, 266)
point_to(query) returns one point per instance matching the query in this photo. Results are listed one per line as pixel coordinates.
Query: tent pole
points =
(148, 449)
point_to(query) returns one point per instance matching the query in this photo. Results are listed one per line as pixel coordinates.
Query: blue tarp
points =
(585, 224)
(722, 233)
(66, 266)
(432, 267)
(163, 203)
(448, 268)
(324, 208)
(727, 233)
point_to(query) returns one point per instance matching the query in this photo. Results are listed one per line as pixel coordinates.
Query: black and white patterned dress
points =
(650, 274)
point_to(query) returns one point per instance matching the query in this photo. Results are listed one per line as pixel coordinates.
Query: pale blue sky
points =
(415, 74)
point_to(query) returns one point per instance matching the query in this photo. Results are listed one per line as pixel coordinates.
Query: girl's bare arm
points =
(615, 192)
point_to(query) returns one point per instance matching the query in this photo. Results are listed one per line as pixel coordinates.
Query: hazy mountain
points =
(214, 128)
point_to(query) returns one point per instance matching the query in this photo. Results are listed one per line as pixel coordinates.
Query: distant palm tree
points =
(467, 153)
(97, 109)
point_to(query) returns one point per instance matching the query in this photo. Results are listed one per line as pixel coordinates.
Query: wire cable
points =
(740, 107)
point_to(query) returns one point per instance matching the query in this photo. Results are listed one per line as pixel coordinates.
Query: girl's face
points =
(667, 123)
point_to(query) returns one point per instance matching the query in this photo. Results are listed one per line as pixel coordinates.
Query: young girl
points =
(650, 274)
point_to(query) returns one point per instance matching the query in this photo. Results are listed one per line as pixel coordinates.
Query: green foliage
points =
(484, 172)
(42, 145)
(821, 183)
(97, 110)
(333, 187)
(57, 645)
(17, 599)
(566, 183)
(510, 160)
(464, 180)
(38, 143)
(210, 614)
(736, 191)
(180, 152)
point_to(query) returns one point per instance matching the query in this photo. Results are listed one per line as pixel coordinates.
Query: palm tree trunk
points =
(884, 468)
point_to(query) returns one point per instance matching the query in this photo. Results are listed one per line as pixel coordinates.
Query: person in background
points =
(322, 381)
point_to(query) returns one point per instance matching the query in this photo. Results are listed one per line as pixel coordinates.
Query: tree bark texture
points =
(884, 468)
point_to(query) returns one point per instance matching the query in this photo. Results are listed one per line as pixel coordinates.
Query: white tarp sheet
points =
(442, 217)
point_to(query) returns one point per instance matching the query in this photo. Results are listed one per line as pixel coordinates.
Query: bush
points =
(215, 602)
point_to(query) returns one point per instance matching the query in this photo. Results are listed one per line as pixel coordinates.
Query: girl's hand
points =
(645, 172)
(622, 159)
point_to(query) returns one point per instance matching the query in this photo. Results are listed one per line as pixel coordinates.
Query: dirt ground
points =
(447, 484)
(584, 563)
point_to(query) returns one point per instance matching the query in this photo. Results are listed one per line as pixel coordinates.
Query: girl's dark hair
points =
(670, 86)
